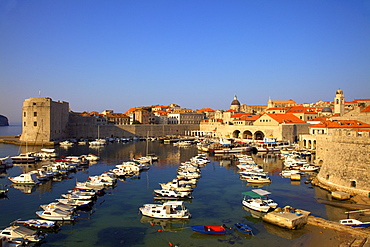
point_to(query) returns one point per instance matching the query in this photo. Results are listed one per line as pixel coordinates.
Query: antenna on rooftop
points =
(39, 92)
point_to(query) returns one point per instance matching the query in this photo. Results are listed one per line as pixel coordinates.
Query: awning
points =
(251, 194)
(256, 193)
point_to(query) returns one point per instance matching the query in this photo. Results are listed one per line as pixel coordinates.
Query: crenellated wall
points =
(344, 157)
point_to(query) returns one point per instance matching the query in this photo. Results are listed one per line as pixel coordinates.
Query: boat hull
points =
(209, 230)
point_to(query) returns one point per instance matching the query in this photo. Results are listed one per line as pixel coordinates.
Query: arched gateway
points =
(259, 135)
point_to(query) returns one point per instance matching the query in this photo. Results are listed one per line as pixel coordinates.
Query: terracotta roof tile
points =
(341, 124)
(286, 118)
(366, 109)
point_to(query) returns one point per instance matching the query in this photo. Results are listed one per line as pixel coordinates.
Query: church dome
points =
(235, 101)
(327, 110)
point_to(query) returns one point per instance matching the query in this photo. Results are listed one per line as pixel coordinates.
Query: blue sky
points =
(115, 55)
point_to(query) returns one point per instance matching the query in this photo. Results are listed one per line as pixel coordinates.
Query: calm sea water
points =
(11, 130)
(115, 219)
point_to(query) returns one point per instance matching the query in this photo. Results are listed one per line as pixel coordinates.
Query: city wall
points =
(344, 157)
(83, 129)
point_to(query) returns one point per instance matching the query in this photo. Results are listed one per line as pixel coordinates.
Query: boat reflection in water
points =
(170, 225)
(254, 213)
(25, 188)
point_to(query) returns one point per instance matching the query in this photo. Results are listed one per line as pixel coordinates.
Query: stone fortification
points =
(81, 128)
(344, 157)
(44, 120)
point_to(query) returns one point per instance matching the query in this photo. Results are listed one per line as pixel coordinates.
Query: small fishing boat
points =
(210, 230)
(167, 210)
(55, 214)
(354, 223)
(172, 194)
(243, 228)
(21, 232)
(257, 200)
(25, 178)
(37, 223)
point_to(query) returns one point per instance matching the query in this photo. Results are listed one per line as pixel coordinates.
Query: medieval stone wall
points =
(344, 157)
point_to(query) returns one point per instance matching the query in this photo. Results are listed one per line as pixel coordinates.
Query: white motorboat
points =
(288, 173)
(256, 204)
(78, 196)
(20, 232)
(25, 178)
(66, 143)
(42, 224)
(76, 202)
(189, 174)
(354, 223)
(91, 157)
(48, 150)
(167, 210)
(45, 155)
(258, 179)
(172, 194)
(58, 205)
(55, 214)
(175, 185)
(309, 168)
(98, 142)
(104, 178)
(257, 200)
(25, 158)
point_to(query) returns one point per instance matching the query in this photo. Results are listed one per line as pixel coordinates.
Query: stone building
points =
(184, 116)
(44, 120)
(280, 103)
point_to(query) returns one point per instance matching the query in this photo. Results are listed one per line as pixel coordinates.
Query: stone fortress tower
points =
(235, 104)
(339, 102)
(44, 120)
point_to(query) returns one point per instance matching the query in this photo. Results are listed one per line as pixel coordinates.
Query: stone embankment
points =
(347, 235)
(16, 141)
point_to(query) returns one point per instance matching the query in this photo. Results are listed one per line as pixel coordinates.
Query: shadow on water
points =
(121, 236)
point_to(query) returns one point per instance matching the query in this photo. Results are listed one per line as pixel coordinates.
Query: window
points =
(24, 124)
(34, 103)
(34, 123)
(353, 184)
(35, 114)
(24, 114)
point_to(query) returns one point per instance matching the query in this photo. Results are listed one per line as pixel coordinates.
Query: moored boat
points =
(55, 214)
(167, 210)
(210, 230)
(172, 194)
(354, 223)
(37, 223)
(25, 178)
(20, 232)
(257, 200)
(243, 228)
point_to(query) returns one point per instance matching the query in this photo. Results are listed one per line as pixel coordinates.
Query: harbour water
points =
(115, 219)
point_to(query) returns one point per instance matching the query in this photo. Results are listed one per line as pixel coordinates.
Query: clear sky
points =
(118, 54)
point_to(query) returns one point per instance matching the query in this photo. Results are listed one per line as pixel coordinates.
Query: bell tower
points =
(339, 102)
